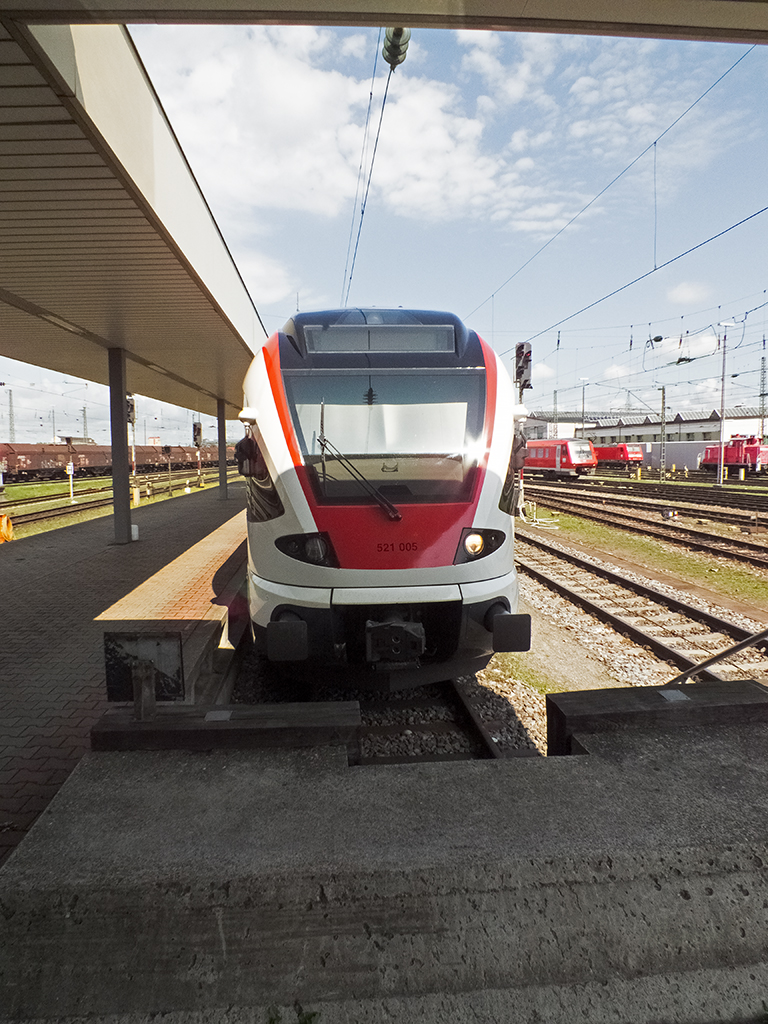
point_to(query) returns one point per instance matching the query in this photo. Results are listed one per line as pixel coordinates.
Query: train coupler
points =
(394, 641)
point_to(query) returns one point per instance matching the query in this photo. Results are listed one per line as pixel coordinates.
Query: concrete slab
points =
(652, 707)
(207, 727)
(626, 885)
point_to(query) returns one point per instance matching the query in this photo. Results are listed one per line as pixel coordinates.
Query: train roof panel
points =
(391, 335)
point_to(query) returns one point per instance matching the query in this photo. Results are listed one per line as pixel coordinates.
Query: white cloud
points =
(688, 293)
(540, 373)
(481, 40)
(264, 277)
(355, 46)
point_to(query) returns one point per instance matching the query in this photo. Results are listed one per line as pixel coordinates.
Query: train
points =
(562, 458)
(741, 451)
(380, 458)
(20, 462)
(619, 456)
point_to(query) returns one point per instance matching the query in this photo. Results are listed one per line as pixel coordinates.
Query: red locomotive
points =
(49, 461)
(619, 456)
(562, 458)
(739, 452)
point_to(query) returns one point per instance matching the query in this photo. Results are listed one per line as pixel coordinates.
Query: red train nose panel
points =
(365, 538)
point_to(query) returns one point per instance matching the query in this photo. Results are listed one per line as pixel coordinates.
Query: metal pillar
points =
(222, 423)
(721, 464)
(118, 413)
(663, 462)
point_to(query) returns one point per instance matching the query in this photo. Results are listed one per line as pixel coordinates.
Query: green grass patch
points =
(51, 488)
(31, 529)
(744, 582)
(520, 668)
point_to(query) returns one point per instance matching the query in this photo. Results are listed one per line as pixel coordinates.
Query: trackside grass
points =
(741, 581)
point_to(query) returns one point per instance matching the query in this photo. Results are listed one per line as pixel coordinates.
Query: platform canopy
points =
(105, 238)
(727, 20)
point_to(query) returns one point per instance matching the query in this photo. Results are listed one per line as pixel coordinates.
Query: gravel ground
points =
(567, 641)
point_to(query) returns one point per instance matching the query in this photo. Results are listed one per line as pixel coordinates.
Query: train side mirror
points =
(519, 452)
(248, 457)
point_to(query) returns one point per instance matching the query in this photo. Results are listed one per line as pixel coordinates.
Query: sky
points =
(490, 145)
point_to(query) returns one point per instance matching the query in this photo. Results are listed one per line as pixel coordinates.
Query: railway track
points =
(66, 508)
(716, 513)
(732, 495)
(677, 632)
(624, 519)
(58, 512)
(441, 722)
(155, 479)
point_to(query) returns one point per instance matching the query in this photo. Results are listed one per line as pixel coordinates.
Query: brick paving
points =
(58, 591)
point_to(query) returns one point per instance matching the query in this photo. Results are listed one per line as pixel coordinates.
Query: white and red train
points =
(49, 461)
(380, 534)
(740, 452)
(564, 457)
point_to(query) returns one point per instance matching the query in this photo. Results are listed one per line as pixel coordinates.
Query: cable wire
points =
(368, 185)
(614, 180)
(360, 168)
(642, 277)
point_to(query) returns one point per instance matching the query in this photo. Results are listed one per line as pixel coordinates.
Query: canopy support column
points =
(118, 412)
(222, 423)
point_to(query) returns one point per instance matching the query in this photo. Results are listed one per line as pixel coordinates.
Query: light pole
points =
(721, 463)
(663, 454)
(584, 381)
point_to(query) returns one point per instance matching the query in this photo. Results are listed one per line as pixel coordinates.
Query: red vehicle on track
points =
(740, 452)
(562, 458)
(619, 456)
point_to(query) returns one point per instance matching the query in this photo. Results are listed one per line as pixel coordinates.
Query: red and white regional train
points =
(379, 468)
(561, 458)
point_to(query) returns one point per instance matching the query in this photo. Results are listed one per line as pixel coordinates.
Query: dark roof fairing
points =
(294, 353)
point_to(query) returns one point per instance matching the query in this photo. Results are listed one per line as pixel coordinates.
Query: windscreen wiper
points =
(353, 471)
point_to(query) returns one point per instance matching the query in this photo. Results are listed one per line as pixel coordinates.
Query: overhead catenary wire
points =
(613, 181)
(642, 277)
(364, 203)
(360, 169)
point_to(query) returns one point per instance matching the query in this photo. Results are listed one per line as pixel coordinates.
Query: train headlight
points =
(476, 544)
(315, 548)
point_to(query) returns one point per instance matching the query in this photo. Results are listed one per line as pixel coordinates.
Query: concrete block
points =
(652, 707)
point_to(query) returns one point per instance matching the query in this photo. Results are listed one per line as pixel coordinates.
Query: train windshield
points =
(581, 451)
(415, 436)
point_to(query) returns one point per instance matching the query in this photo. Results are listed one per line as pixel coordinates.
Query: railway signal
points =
(197, 434)
(523, 366)
(395, 45)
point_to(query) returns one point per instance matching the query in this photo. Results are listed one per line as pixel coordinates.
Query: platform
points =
(60, 591)
(625, 884)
